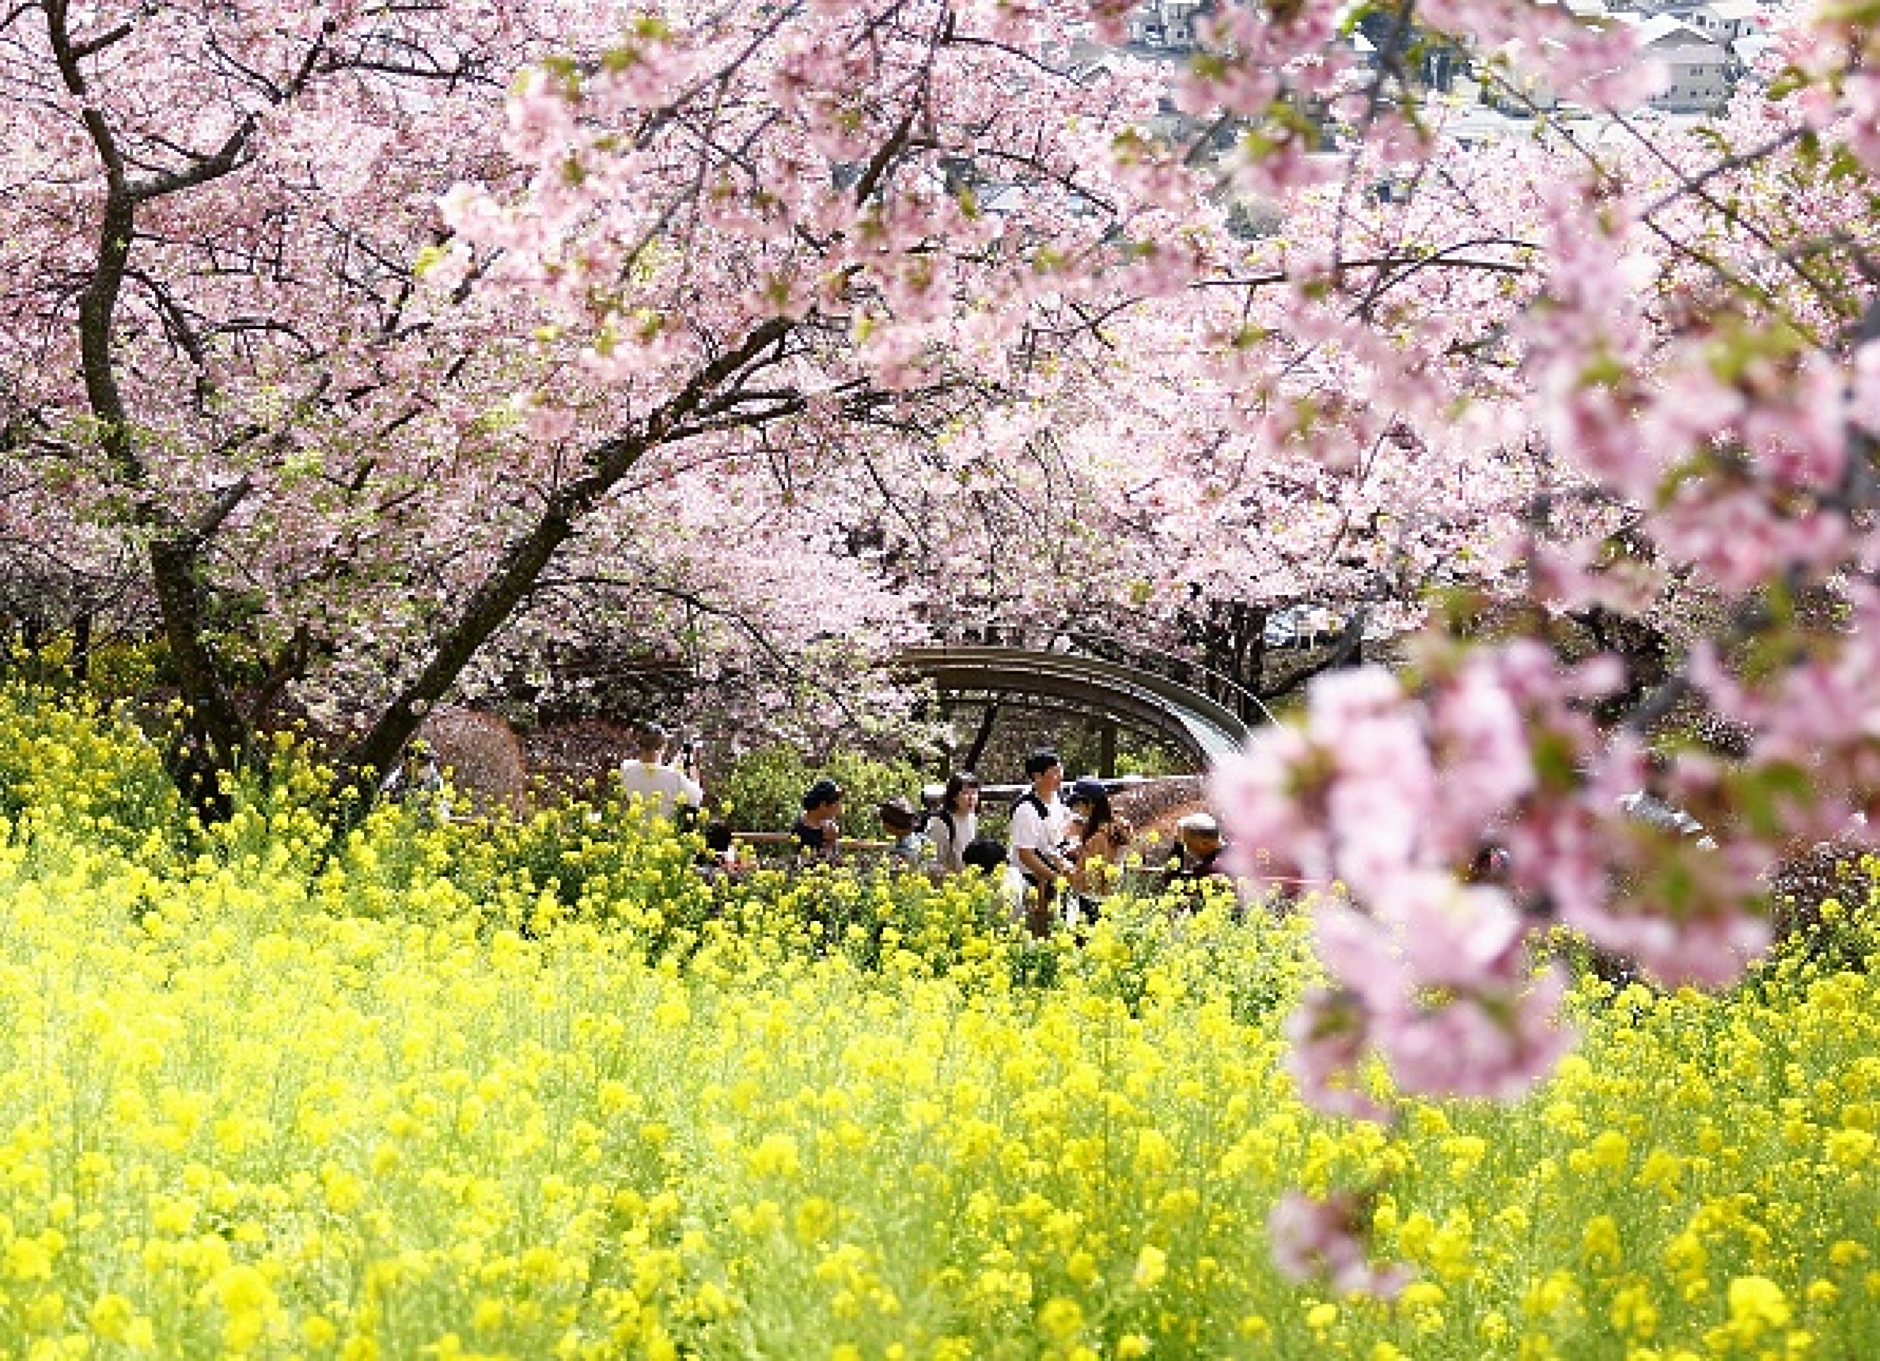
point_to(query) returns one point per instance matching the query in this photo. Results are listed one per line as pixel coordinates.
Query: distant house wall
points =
(1699, 75)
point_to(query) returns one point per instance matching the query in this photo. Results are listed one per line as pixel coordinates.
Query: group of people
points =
(945, 841)
(1066, 851)
(1065, 854)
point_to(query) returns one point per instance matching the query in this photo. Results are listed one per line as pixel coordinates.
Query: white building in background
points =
(1722, 21)
(1699, 69)
(1705, 47)
(1166, 24)
(1751, 49)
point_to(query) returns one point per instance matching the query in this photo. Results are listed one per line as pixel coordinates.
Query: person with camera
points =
(661, 789)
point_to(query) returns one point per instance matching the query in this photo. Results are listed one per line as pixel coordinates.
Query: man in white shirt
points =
(661, 788)
(1038, 821)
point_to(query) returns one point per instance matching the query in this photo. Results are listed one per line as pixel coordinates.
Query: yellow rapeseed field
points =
(535, 1090)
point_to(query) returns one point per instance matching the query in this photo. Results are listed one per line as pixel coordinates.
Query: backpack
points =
(1031, 797)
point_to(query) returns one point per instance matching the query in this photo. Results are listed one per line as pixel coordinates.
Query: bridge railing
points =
(1170, 666)
(1207, 729)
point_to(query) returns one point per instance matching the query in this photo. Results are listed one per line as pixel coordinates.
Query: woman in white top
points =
(953, 828)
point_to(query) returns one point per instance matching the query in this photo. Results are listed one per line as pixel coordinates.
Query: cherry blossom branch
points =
(91, 47)
(1443, 257)
(1728, 165)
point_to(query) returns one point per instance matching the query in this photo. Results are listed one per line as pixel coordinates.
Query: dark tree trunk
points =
(489, 606)
(215, 726)
(508, 584)
(216, 736)
(978, 747)
(81, 647)
(1251, 671)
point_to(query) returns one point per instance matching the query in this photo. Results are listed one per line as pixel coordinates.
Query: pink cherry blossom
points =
(1328, 1240)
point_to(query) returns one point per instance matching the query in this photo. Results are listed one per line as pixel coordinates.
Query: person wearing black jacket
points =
(1200, 850)
(816, 832)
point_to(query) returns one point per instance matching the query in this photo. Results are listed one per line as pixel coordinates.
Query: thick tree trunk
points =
(214, 737)
(489, 607)
(509, 583)
(210, 718)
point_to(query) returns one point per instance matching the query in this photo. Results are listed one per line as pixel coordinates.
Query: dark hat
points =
(649, 732)
(820, 793)
(1040, 761)
(897, 813)
(1087, 790)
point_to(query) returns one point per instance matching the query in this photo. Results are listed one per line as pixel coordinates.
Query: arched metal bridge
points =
(1125, 689)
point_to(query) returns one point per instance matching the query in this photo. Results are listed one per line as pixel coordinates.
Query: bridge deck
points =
(1205, 728)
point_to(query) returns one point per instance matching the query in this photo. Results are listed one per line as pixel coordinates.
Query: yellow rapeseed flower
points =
(1599, 1243)
(110, 1317)
(1151, 1267)
(1060, 1319)
(1757, 1306)
(1851, 1148)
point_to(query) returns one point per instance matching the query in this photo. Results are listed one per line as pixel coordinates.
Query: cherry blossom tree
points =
(211, 350)
(1599, 370)
(1663, 340)
(759, 340)
(379, 370)
(797, 322)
